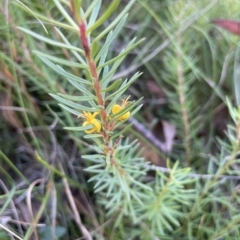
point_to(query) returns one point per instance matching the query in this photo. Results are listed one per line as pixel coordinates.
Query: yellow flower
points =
(90, 119)
(117, 108)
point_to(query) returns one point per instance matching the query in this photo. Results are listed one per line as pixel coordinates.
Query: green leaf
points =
(77, 98)
(73, 80)
(92, 136)
(65, 14)
(104, 54)
(135, 110)
(102, 187)
(45, 18)
(93, 156)
(60, 60)
(122, 131)
(99, 177)
(62, 72)
(123, 53)
(95, 168)
(108, 77)
(80, 87)
(90, 126)
(142, 185)
(80, 59)
(121, 90)
(95, 49)
(114, 85)
(7, 201)
(95, 12)
(50, 41)
(6, 161)
(69, 110)
(105, 71)
(105, 15)
(111, 38)
(115, 22)
(72, 104)
(116, 97)
(124, 185)
(77, 7)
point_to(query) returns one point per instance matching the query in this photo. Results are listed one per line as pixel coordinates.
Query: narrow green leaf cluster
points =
(116, 167)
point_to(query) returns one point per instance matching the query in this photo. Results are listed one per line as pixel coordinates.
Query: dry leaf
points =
(229, 25)
(155, 89)
(169, 131)
(6, 100)
(165, 132)
(150, 155)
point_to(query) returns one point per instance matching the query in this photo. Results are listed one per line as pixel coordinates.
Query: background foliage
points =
(189, 67)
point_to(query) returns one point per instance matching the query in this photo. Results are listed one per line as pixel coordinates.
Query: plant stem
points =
(107, 125)
(180, 80)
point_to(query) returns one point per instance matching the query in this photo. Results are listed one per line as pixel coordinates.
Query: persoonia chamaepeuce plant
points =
(155, 205)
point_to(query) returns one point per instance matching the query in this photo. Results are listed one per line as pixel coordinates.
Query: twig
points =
(72, 203)
(11, 232)
(12, 108)
(29, 204)
(147, 134)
